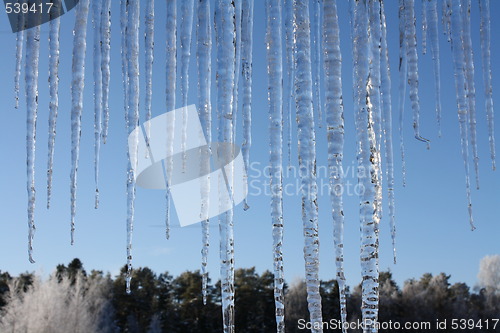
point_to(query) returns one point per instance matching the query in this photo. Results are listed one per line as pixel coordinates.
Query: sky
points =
(433, 232)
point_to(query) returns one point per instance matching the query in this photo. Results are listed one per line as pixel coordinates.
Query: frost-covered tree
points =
(489, 273)
(56, 305)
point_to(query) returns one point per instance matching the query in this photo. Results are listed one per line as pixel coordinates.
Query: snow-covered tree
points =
(489, 273)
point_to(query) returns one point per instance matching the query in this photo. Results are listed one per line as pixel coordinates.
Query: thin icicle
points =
(387, 131)
(246, 63)
(149, 51)
(290, 60)
(19, 57)
(307, 158)
(434, 42)
(334, 113)
(54, 97)
(132, 119)
(446, 18)
(226, 40)
(275, 98)
(31, 77)
(170, 70)
(424, 26)
(105, 67)
(460, 84)
(469, 77)
(237, 68)
(186, 32)
(411, 52)
(375, 82)
(203, 54)
(317, 59)
(403, 70)
(368, 165)
(484, 11)
(77, 85)
(96, 19)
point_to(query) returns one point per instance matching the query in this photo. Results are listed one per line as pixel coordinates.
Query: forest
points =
(72, 299)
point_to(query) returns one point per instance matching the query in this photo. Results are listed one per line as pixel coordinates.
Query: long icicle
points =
(237, 59)
(96, 19)
(307, 159)
(411, 52)
(425, 26)
(226, 40)
(387, 130)
(54, 97)
(460, 84)
(484, 11)
(446, 18)
(403, 70)
(149, 36)
(290, 60)
(19, 57)
(105, 64)
(77, 85)
(171, 76)
(275, 98)
(204, 56)
(367, 162)
(432, 16)
(187, 7)
(246, 66)
(31, 77)
(334, 113)
(469, 79)
(132, 119)
(374, 9)
(317, 59)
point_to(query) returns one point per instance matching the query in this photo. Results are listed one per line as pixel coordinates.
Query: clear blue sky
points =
(433, 231)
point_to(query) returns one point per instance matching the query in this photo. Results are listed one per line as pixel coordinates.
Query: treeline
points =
(73, 300)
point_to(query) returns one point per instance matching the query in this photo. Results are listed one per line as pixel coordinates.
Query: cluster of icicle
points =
(305, 39)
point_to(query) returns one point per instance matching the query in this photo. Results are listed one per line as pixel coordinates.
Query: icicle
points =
(411, 52)
(275, 98)
(446, 17)
(226, 40)
(460, 84)
(19, 57)
(132, 119)
(307, 157)
(123, 28)
(484, 10)
(54, 96)
(31, 76)
(424, 26)
(469, 77)
(317, 59)
(105, 61)
(149, 48)
(290, 60)
(78, 82)
(204, 57)
(171, 67)
(375, 82)
(387, 131)
(246, 63)
(434, 41)
(186, 31)
(367, 165)
(403, 70)
(237, 68)
(96, 18)
(334, 113)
